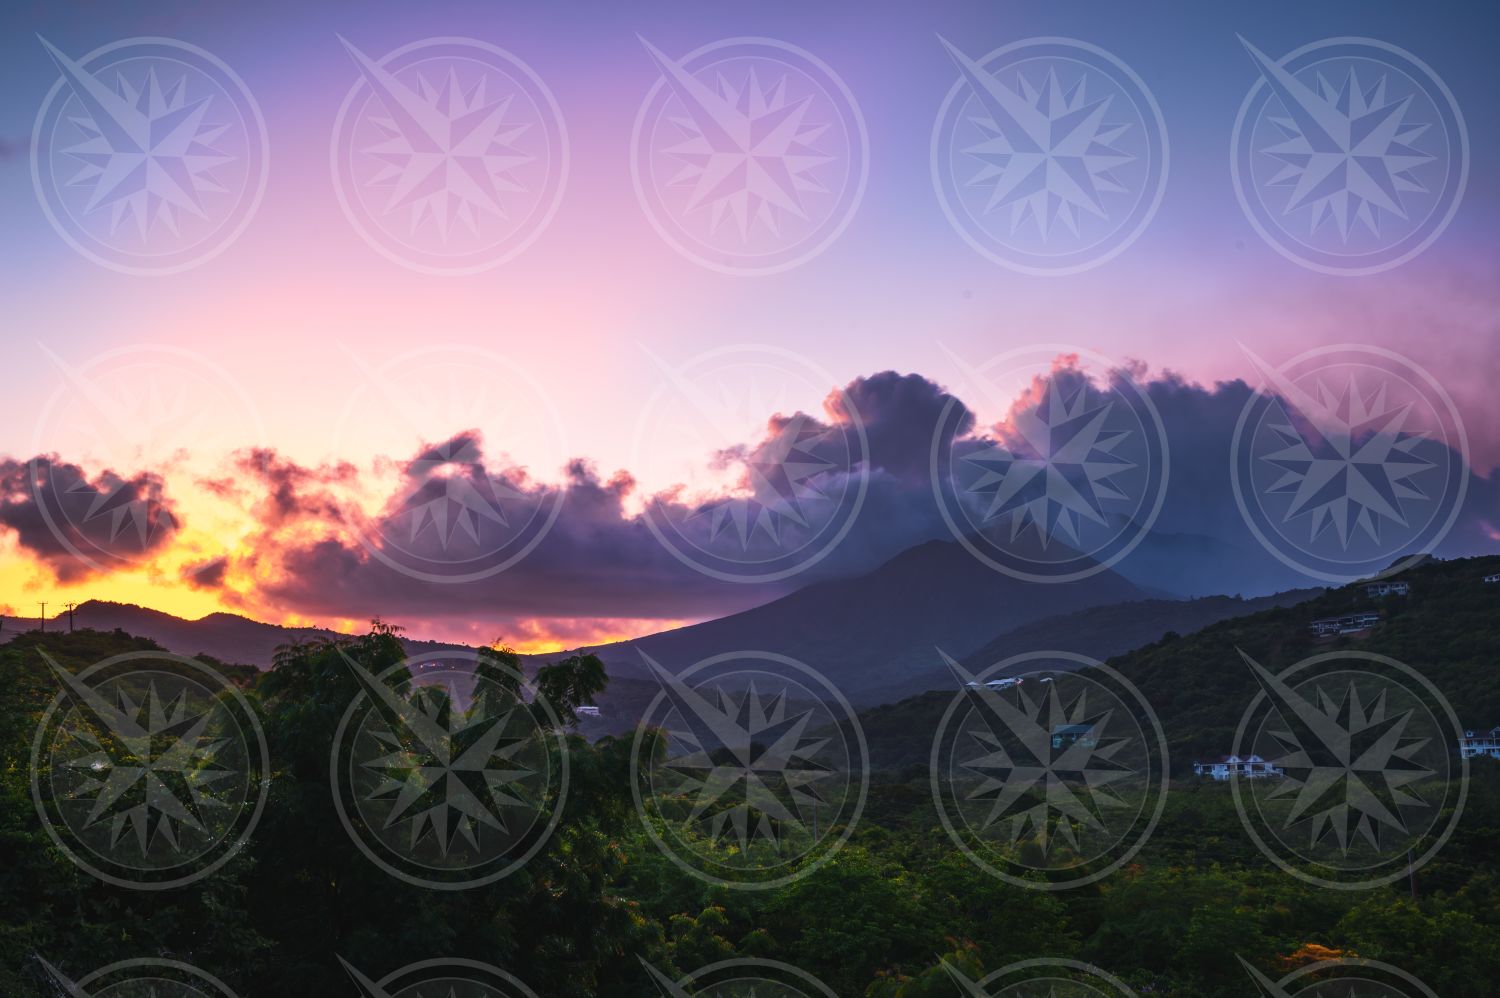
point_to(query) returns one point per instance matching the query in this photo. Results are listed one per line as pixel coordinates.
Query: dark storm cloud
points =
(78, 526)
(900, 413)
(599, 560)
(310, 553)
(206, 575)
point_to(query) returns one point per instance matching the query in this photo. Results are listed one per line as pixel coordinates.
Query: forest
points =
(598, 900)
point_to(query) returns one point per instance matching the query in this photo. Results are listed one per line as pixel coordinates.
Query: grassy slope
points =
(1448, 629)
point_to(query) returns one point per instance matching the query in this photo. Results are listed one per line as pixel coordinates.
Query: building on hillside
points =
(1068, 735)
(1492, 578)
(1248, 767)
(998, 684)
(1475, 743)
(587, 710)
(1376, 589)
(1349, 623)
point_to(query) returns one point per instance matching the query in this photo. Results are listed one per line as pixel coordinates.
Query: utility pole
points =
(71, 607)
(43, 619)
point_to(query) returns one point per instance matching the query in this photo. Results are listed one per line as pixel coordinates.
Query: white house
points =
(1480, 743)
(1387, 589)
(999, 684)
(1249, 767)
(1492, 578)
(1350, 623)
(587, 710)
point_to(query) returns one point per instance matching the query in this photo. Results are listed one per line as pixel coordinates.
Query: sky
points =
(282, 394)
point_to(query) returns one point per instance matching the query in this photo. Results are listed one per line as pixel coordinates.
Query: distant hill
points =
(1097, 631)
(873, 633)
(1448, 629)
(1184, 565)
(227, 637)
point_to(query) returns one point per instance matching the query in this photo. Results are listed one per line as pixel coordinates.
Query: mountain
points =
(1099, 632)
(872, 633)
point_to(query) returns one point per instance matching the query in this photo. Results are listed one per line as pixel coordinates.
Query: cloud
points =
(312, 553)
(207, 574)
(79, 526)
(344, 542)
(599, 561)
(900, 412)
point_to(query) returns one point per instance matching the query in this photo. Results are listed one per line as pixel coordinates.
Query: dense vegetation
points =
(874, 921)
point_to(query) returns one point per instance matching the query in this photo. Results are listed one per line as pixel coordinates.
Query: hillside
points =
(227, 637)
(1098, 631)
(1448, 629)
(870, 634)
(1103, 631)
